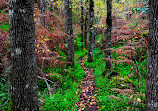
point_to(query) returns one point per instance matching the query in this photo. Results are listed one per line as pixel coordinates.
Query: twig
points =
(48, 86)
(54, 84)
(5, 103)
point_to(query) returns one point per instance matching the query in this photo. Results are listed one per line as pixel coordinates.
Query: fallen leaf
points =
(138, 99)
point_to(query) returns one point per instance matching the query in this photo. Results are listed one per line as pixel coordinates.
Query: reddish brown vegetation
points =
(3, 4)
(129, 33)
(47, 42)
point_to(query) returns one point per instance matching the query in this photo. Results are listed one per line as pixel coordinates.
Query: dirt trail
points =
(87, 97)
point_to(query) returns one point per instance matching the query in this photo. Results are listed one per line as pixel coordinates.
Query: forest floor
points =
(88, 95)
(124, 87)
(86, 88)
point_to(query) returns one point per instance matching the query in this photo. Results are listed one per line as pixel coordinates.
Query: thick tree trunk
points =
(91, 32)
(23, 56)
(43, 9)
(69, 31)
(82, 24)
(109, 28)
(152, 69)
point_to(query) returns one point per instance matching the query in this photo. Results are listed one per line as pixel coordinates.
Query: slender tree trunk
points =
(43, 9)
(109, 28)
(51, 5)
(23, 77)
(60, 12)
(91, 32)
(82, 24)
(152, 69)
(86, 24)
(69, 31)
(85, 33)
(104, 32)
(126, 5)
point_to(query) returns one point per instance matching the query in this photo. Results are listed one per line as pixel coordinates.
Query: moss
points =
(121, 82)
(11, 107)
(5, 27)
(56, 77)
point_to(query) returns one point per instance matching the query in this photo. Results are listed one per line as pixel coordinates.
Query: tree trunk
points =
(82, 24)
(50, 3)
(152, 69)
(85, 33)
(43, 9)
(91, 32)
(109, 28)
(86, 25)
(126, 5)
(69, 31)
(23, 57)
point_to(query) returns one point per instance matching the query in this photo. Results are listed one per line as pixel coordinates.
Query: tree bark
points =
(50, 3)
(82, 24)
(43, 9)
(152, 69)
(69, 31)
(23, 56)
(126, 5)
(91, 32)
(109, 28)
(86, 24)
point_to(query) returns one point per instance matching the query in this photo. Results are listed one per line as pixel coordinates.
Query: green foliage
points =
(10, 106)
(123, 69)
(56, 68)
(4, 27)
(65, 96)
(121, 103)
(146, 32)
(63, 100)
(4, 96)
(108, 104)
(105, 102)
(41, 84)
(121, 82)
(2, 12)
(75, 74)
(97, 52)
(81, 53)
(56, 77)
(77, 42)
(143, 10)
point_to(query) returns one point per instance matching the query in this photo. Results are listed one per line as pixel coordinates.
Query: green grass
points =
(3, 12)
(4, 27)
(103, 84)
(4, 95)
(65, 97)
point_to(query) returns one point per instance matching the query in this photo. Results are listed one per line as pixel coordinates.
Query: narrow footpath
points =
(87, 97)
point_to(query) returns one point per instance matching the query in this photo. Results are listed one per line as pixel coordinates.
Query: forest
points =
(78, 55)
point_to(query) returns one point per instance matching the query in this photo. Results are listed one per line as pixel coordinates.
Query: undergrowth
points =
(105, 99)
(65, 96)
